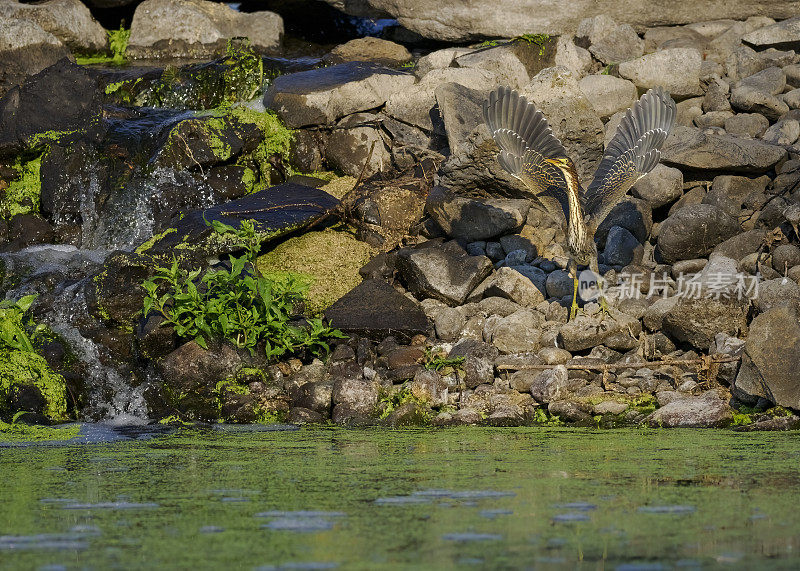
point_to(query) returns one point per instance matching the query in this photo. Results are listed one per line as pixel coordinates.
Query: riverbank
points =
(414, 281)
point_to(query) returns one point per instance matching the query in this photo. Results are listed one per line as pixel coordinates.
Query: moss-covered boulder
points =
(328, 260)
(27, 383)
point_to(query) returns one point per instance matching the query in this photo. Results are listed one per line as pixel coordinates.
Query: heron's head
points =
(566, 166)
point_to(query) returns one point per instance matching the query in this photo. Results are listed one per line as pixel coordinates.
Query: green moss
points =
(149, 244)
(16, 432)
(542, 417)
(540, 40)
(118, 46)
(264, 416)
(23, 194)
(329, 260)
(19, 368)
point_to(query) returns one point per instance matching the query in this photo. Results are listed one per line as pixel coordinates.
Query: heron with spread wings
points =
(531, 153)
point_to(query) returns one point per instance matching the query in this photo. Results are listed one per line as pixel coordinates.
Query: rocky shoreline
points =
(368, 172)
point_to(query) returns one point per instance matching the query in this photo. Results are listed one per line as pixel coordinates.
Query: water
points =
(483, 498)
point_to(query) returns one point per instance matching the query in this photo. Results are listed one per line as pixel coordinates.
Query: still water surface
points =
(472, 498)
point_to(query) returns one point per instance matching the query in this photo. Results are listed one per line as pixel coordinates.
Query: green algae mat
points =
(480, 498)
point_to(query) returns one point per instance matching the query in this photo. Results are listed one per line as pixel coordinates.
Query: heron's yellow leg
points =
(573, 310)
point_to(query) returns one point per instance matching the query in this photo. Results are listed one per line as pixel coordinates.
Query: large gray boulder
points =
(783, 35)
(709, 410)
(446, 272)
(198, 28)
(471, 219)
(463, 20)
(771, 355)
(68, 20)
(608, 94)
(321, 96)
(25, 49)
(688, 148)
(677, 70)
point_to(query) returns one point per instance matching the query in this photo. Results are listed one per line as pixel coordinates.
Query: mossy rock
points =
(329, 260)
(28, 374)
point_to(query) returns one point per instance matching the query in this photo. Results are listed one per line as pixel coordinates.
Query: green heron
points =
(531, 153)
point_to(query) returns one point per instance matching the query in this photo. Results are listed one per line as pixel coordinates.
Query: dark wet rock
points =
(692, 149)
(677, 70)
(374, 309)
(26, 50)
(769, 362)
(68, 20)
(62, 97)
(661, 186)
(159, 28)
(154, 339)
(27, 230)
(316, 396)
(190, 375)
(443, 272)
(692, 232)
(620, 331)
(571, 411)
(783, 35)
(471, 219)
(511, 284)
(409, 414)
(115, 295)
(478, 362)
(300, 415)
(622, 247)
(633, 214)
(321, 96)
(276, 211)
(708, 410)
(368, 49)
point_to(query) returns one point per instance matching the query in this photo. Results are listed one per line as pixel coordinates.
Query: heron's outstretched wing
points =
(525, 140)
(632, 153)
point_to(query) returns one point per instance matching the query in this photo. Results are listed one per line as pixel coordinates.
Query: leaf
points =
(201, 341)
(25, 302)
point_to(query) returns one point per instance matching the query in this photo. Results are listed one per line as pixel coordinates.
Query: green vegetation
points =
(16, 432)
(543, 418)
(118, 46)
(540, 40)
(441, 363)
(389, 402)
(239, 305)
(22, 195)
(21, 365)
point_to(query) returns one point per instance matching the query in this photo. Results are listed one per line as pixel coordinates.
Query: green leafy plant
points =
(238, 305)
(118, 45)
(535, 39)
(439, 362)
(14, 328)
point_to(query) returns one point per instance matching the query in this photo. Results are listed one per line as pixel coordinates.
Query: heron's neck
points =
(579, 239)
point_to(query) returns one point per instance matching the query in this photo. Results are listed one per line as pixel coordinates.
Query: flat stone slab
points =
(321, 96)
(374, 309)
(693, 149)
(783, 35)
(276, 211)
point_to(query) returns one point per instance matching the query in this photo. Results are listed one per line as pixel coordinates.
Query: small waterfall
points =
(112, 398)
